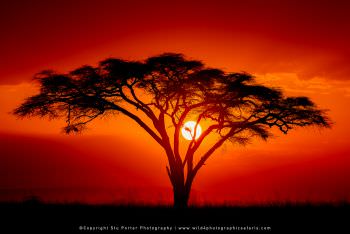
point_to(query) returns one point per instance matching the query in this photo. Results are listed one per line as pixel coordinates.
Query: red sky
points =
(300, 46)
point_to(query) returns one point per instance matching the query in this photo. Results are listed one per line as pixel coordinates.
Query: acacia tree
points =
(168, 90)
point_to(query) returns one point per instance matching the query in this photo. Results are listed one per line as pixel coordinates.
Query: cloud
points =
(294, 85)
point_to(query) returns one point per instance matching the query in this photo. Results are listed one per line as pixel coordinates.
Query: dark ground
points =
(35, 217)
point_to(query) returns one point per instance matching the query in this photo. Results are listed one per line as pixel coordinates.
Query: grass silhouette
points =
(33, 215)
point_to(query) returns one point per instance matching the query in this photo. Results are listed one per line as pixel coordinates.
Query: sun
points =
(188, 130)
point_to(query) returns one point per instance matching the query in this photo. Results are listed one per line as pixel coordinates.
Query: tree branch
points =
(137, 120)
(211, 151)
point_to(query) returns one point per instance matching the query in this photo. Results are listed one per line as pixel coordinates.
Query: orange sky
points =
(300, 46)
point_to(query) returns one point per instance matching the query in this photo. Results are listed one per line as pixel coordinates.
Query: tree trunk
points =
(181, 186)
(181, 196)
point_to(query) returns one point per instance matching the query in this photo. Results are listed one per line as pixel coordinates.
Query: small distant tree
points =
(169, 90)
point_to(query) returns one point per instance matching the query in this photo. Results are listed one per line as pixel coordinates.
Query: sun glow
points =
(188, 130)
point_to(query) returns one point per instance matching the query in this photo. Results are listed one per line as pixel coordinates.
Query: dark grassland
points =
(35, 217)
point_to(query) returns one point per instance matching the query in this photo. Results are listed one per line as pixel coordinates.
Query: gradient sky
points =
(300, 46)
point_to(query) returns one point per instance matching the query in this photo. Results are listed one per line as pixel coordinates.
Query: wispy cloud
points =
(295, 85)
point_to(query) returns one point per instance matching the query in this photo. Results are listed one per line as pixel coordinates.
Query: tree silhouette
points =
(168, 90)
